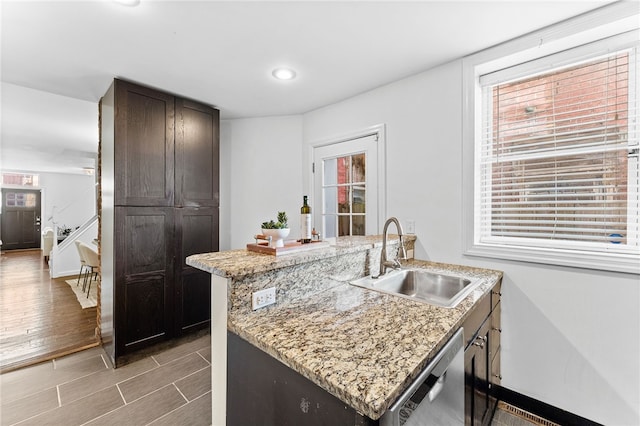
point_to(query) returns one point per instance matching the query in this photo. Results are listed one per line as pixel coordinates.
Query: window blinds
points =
(559, 160)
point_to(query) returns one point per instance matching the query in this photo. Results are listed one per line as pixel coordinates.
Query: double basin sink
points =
(421, 285)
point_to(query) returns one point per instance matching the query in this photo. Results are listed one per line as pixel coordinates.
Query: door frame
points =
(378, 130)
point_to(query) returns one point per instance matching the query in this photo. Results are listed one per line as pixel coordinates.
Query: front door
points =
(20, 219)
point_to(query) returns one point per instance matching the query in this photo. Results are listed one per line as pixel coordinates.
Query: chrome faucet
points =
(401, 255)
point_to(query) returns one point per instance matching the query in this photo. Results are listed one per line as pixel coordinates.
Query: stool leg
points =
(86, 275)
(79, 273)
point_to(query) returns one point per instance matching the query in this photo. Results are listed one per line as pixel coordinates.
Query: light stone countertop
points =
(362, 346)
(236, 263)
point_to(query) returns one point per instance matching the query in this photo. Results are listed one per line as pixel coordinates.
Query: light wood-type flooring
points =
(40, 317)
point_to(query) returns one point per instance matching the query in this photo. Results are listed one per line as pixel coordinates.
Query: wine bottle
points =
(305, 222)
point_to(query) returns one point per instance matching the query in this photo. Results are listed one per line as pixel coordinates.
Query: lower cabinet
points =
(482, 360)
(143, 275)
(478, 407)
(196, 231)
(263, 391)
(156, 295)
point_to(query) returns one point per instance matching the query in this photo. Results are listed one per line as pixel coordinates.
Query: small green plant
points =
(280, 224)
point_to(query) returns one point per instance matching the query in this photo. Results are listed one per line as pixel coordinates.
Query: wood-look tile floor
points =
(40, 317)
(172, 387)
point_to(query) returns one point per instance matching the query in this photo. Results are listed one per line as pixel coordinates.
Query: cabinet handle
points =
(498, 376)
(480, 341)
(499, 330)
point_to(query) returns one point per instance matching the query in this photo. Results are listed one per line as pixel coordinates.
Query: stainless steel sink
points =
(422, 286)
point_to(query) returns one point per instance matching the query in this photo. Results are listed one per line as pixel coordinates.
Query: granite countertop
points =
(360, 345)
(235, 263)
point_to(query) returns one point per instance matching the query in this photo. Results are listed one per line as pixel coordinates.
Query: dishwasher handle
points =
(437, 387)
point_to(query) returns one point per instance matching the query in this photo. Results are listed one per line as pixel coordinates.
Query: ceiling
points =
(58, 58)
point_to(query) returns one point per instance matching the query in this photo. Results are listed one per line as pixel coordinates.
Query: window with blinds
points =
(558, 159)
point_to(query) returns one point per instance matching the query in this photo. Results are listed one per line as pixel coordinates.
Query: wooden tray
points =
(290, 247)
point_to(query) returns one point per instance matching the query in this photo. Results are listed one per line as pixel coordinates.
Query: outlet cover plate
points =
(411, 226)
(262, 298)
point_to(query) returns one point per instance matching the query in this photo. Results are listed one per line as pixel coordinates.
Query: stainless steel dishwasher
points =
(436, 397)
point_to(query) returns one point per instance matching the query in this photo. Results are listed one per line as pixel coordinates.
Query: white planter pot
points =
(277, 236)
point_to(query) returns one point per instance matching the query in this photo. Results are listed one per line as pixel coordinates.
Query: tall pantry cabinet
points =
(160, 199)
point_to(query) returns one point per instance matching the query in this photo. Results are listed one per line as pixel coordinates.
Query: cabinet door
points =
(144, 272)
(144, 146)
(478, 406)
(196, 232)
(496, 331)
(197, 154)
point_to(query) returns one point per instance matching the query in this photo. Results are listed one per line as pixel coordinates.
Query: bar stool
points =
(92, 262)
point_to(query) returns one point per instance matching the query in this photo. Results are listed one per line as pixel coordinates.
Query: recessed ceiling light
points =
(284, 73)
(128, 2)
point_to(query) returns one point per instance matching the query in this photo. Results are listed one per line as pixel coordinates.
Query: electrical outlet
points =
(262, 298)
(411, 226)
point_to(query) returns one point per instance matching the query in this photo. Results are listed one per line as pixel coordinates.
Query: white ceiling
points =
(222, 53)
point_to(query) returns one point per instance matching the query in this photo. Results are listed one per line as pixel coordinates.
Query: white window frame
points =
(592, 34)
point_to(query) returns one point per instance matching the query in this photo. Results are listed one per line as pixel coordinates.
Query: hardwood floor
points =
(40, 317)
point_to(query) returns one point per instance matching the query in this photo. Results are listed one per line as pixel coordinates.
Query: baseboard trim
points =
(541, 409)
(63, 274)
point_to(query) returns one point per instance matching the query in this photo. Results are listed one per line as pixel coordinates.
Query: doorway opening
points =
(42, 317)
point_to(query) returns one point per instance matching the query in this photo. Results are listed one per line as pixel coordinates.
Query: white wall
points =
(570, 336)
(70, 198)
(261, 159)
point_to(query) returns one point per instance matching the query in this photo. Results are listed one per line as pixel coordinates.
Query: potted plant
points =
(278, 231)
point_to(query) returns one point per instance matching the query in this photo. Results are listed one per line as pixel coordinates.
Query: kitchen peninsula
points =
(360, 346)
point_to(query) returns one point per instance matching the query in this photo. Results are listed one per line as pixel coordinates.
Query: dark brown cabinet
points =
(197, 233)
(476, 361)
(197, 164)
(482, 359)
(144, 146)
(143, 275)
(164, 207)
(263, 391)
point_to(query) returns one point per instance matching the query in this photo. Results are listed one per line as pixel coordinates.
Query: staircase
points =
(64, 260)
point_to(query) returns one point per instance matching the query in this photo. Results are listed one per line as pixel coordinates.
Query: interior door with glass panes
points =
(346, 188)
